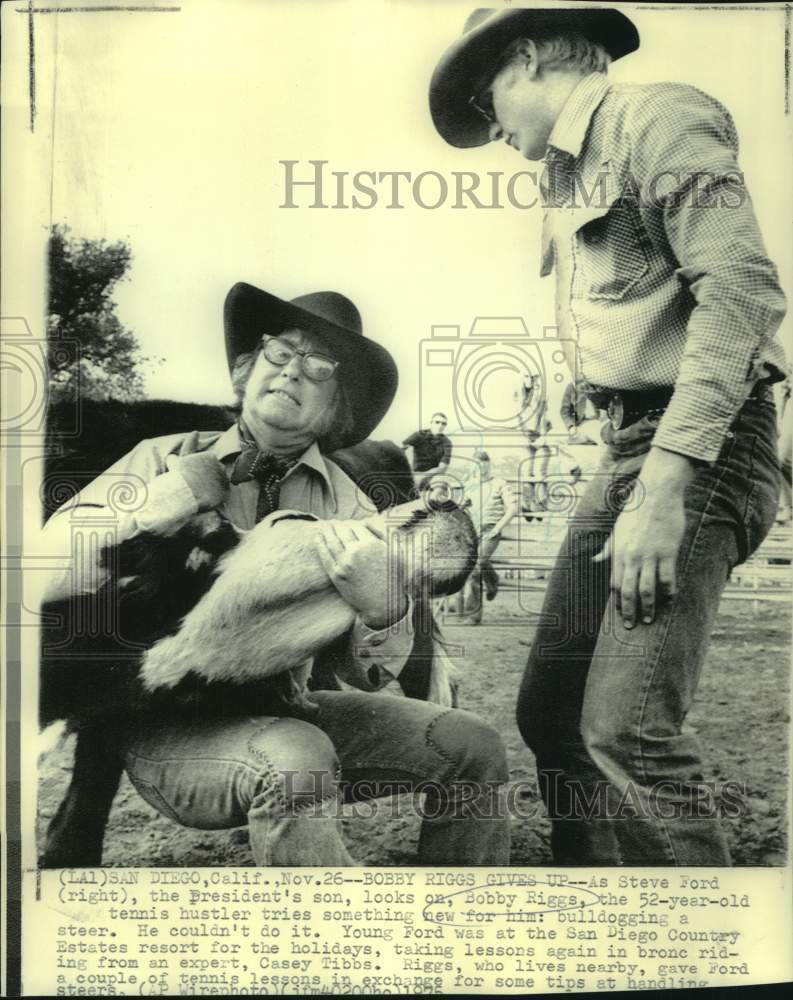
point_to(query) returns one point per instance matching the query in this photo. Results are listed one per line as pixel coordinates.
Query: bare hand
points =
(357, 562)
(204, 474)
(644, 545)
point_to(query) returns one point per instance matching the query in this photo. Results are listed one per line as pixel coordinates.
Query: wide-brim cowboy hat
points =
(486, 35)
(366, 369)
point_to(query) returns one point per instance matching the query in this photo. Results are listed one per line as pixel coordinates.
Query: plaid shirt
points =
(662, 275)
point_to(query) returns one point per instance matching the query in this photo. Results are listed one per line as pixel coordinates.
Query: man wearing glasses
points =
(308, 381)
(432, 450)
(664, 284)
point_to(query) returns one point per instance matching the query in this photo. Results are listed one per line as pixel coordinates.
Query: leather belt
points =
(625, 407)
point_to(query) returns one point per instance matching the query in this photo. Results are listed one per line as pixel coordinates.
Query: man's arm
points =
(693, 197)
(163, 489)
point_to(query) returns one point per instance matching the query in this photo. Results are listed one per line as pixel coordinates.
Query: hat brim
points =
(368, 372)
(467, 60)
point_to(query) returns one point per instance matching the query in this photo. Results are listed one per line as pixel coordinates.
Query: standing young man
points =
(664, 283)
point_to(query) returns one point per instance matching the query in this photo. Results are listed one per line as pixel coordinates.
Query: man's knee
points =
(474, 748)
(624, 753)
(296, 760)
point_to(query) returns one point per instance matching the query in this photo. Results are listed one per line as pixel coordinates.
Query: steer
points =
(197, 623)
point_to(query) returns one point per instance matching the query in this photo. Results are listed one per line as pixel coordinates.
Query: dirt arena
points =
(740, 715)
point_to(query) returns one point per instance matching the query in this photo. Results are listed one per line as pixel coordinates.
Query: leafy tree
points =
(90, 352)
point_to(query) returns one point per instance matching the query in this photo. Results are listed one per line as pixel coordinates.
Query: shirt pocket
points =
(609, 250)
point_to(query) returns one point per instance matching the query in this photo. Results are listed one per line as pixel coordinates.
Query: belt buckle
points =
(616, 411)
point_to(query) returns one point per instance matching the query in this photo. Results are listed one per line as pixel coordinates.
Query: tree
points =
(90, 352)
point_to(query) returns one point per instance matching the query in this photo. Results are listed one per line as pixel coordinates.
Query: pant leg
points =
(603, 708)
(635, 706)
(551, 695)
(278, 775)
(387, 744)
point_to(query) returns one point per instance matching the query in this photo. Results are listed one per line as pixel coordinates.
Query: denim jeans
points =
(602, 707)
(286, 778)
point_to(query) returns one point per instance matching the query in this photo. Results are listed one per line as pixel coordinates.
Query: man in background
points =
(432, 450)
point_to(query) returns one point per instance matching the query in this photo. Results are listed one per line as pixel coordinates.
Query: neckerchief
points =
(266, 469)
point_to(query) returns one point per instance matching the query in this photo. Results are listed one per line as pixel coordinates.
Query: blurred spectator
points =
(431, 449)
(534, 421)
(492, 503)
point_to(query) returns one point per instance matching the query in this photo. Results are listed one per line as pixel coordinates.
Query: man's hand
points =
(204, 475)
(644, 544)
(357, 562)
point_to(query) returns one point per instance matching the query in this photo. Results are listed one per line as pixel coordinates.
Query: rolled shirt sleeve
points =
(135, 494)
(382, 653)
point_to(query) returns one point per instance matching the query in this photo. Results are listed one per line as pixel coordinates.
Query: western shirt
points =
(662, 276)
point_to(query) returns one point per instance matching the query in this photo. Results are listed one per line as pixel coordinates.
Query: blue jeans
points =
(285, 778)
(601, 707)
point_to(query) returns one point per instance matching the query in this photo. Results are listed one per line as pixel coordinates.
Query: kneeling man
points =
(308, 381)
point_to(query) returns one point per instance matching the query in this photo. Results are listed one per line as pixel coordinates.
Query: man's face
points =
(515, 99)
(438, 424)
(282, 400)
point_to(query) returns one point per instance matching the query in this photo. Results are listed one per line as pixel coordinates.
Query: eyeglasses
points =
(317, 367)
(483, 104)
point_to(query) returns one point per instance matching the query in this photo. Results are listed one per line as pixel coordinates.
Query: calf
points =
(198, 627)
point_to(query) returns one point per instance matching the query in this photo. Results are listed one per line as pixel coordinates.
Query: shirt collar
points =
(313, 458)
(571, 126)
(228, 445)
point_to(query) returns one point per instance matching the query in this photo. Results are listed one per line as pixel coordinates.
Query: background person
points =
(492, 502)
(431, 449)
(535, 424)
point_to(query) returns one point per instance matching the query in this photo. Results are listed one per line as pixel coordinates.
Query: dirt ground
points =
(740, 715)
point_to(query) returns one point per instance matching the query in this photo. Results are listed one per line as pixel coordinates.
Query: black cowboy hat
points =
(486, 34)
(366, 370)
